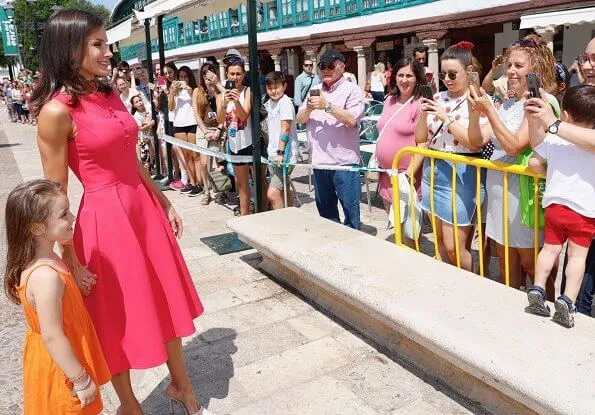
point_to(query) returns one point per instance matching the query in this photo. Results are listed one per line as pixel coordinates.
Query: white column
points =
(311, 54)
(291, 62)
(222, 75)
(432, 45)
(277, 62)
(361, 66)
(547, 34)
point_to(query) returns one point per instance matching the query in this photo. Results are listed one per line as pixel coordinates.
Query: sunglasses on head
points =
(330, 66)
(525, 43)
(450, 75)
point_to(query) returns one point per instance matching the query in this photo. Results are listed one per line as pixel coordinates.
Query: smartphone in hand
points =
(229, 84)
(474, 80)
(533, 85)
(315, 92)
(426, 91)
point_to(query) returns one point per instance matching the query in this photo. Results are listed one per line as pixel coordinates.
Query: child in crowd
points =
(62, 361)
(282, 146)
(145, 122)
(569, 200)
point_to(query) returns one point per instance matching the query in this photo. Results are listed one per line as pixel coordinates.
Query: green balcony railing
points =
(272, 15)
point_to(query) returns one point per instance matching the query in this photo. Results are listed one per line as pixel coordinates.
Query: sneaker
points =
(537, 303)
(565, 311)
(196, 191)
(187, 189)
(177, 185)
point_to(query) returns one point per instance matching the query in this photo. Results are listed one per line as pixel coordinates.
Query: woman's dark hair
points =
(461, 52)
(174, 68)
(418, 71)
(579, 102)
(207, 66)
(60, 66)
(191, 78)
(134, 110)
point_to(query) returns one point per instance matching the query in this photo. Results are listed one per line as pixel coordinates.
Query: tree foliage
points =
(30, 17)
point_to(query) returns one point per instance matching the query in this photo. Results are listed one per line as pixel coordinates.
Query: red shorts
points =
(562, 223)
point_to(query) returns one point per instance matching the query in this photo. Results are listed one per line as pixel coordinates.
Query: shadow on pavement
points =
(210, 367)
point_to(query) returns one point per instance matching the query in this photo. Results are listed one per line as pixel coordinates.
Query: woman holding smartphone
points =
(233, 110)
(509, 132)
(397, 124)
(209, 131)
(180, 102)
(443, 125)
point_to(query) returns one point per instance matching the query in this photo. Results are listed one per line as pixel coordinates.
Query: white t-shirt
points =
(282, 109)
(459, 109)
(143, 118)
(243, 135)
(126, 98)
(184, 112)
(376, 82)
(570, 175)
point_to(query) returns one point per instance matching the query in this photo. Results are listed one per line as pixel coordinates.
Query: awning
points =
(119, 32)
(193, 64)
(559, 17)
(205, 7)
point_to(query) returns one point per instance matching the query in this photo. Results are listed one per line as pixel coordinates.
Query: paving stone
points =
(219, 300)
(258, 290)
(314, 325)
(323, 396)
(296, 366)
(417, 407)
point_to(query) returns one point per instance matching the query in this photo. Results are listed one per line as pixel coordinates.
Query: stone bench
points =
(465, 330)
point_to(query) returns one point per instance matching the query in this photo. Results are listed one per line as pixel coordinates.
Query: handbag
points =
(406, 211)
(219, 181)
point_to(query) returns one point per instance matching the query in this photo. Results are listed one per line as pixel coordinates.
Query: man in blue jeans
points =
(331, 113)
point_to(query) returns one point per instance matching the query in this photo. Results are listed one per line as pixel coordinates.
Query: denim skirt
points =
(465, 191)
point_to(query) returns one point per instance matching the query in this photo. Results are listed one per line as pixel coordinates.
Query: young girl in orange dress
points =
(63, 365)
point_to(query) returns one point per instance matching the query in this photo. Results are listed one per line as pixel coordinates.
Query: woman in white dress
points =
(508, 130)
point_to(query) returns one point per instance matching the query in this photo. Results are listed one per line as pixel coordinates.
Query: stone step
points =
(467, 331)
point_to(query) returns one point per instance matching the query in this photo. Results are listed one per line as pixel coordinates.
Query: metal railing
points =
(272, 15)
(479, 164)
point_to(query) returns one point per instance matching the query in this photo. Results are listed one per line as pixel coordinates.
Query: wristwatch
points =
(328, 108)
(553, 129)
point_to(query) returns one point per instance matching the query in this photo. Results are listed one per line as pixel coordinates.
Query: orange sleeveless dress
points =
(44, 383)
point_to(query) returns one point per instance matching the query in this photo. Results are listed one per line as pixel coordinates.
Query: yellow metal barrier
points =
(506, 169)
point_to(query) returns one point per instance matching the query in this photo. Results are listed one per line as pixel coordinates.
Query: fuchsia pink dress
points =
(144, 295)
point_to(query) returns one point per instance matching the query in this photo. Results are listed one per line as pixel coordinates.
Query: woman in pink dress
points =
(124, 255)
(396, 124)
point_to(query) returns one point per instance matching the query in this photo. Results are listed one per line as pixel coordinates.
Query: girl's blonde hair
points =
(379, 67)
(27, 204)
(541, 59)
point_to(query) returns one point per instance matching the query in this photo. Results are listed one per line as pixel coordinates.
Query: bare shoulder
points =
(43, 279)
(55, 121)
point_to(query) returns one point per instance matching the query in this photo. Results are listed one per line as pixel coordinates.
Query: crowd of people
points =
(17, 97)
(139, 298)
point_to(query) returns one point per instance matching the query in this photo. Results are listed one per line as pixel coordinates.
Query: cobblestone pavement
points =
(258, 349)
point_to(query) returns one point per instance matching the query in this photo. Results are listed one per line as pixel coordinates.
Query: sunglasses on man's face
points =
(325, 66)
(450, 75)
(309, 65)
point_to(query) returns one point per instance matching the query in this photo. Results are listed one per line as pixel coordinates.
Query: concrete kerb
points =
(434, 315)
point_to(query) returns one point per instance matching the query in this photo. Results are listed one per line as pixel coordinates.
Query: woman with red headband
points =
(443, 123)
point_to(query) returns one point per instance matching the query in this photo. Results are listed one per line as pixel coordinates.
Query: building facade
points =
(366, 31)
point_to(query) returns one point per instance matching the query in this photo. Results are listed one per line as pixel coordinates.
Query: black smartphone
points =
(533, 85)
(229, 84)
(426, 91)
(315, 92)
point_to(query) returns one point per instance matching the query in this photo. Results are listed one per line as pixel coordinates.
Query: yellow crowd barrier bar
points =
(536, 223)
(479, 227)
(478, 163)
(505, 218)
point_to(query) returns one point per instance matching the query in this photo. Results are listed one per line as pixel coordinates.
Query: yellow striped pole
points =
(505, 220)
(454, 214)
(479, 230)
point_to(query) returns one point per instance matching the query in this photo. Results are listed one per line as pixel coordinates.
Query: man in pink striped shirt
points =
(332, 116)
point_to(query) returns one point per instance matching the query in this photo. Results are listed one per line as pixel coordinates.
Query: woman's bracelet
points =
(80, 386)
